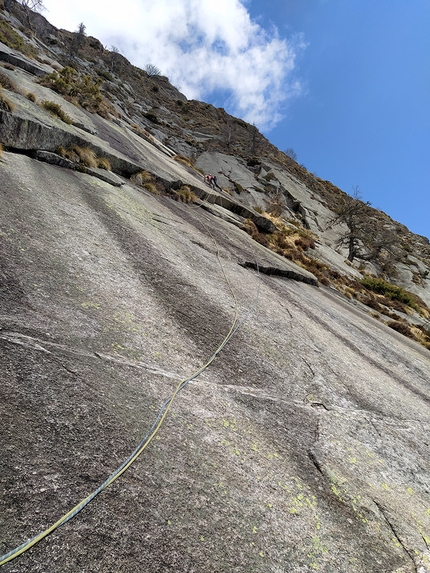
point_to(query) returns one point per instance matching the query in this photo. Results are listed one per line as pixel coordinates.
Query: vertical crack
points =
(396, 535)
(309, 366)
(316, 463)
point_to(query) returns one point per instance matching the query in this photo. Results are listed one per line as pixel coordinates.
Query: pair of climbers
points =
(211, 180)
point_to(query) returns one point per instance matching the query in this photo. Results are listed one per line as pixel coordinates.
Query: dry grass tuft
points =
(86, 156)
(401, 327)
(6, 104)
(151, 188)
(7, 83)
(104, 163)
(185, 160)
(30, 96)
(185, 195)
(81, 155)
(141, 178)
(56, 110)
(1, 150)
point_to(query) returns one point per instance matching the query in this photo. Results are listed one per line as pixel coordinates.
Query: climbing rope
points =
(153, 429)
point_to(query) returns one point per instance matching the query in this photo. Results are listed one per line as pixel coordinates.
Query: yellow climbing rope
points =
(149, 436)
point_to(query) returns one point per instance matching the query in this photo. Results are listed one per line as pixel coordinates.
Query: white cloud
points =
(203, 46)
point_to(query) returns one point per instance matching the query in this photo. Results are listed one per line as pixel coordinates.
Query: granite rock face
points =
(302, 447)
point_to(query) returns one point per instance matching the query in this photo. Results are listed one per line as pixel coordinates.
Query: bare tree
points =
(291, 153)
(352, 212)
(33, 5)
(78, 40)
(366, 238)
(152, 70)
(81, 31)
(29, 7)
(114, 53)
(228, 131)
(255, 140)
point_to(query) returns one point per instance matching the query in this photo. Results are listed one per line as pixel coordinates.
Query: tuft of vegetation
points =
(105, 75)
(185, 160)
(12, 39)
(7, 83)
(237, 187)
(104, 163)
(185, 195)
(253, 162)
(6, 104)
(391, 292)
(151, 188)
(141, 178)
(56, 110)
(86, 156)
(30, 96)
(81, 155)
(80, 90)
(401, 327)
(1, 150)
(293, 242)
(305, 243)
(269, 176)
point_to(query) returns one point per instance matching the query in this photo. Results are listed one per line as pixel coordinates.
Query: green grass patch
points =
(12, 39)
(390, 291)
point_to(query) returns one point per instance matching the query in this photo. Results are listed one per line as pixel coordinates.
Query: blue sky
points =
(364, 116)
(345, 83)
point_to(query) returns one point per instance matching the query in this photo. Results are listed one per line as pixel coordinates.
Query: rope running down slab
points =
(151, 432)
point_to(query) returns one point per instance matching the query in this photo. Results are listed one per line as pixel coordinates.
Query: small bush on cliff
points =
(391, 291)
(56, 110)
(12, 39)
(152, 117)
(6, 104)
(401, 327)
(237, 187)
(83, 91)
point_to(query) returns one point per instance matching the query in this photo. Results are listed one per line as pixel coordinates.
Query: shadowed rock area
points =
(304, 446)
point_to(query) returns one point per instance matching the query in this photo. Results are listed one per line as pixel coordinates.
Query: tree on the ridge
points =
(78, 40)
(29, 7)
(34, 5)
(152, 70)
(365, 239)
(291, 153)
(114, 53)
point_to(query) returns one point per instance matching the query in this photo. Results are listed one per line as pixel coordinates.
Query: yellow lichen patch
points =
(90, 304)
